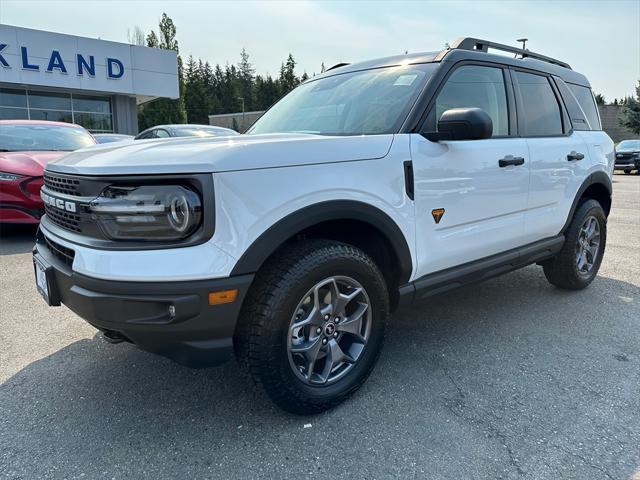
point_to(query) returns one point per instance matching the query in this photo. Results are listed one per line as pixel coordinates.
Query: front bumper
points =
(628, 163)
(192, 333)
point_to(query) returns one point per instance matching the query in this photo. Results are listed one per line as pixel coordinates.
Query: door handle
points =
(575, 156)
(510, 160)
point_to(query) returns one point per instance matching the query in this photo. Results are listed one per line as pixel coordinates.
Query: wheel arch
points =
(357, 223)
(597, 186)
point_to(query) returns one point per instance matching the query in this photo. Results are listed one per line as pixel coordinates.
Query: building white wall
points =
(148, 72)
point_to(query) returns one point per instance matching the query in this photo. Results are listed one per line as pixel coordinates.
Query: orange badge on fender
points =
(437, 213)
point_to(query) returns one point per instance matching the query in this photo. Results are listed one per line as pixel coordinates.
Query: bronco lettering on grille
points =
(58, 203)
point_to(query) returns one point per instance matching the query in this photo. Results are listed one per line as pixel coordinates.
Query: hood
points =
(27, 163)
(219, 154)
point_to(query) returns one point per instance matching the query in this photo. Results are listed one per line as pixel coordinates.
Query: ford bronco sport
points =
(368, 186)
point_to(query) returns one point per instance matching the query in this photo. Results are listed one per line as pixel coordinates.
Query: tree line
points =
(207, 90)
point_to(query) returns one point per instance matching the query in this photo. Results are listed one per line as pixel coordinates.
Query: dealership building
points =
(91, 82)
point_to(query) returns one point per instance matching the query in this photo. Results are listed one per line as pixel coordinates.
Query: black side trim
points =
(283, 230)
(408, 178)
(482, 269)
(595, 178)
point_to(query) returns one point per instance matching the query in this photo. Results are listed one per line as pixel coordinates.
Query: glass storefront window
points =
(93, 112)
(51, 115)
(94, 121)
(84, 103)
(13, 98)
(13, 113)
(49, 100)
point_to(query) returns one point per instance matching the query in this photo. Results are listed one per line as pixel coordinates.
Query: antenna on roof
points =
(524, 45)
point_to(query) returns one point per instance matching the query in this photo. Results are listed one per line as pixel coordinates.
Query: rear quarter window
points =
(588, 104)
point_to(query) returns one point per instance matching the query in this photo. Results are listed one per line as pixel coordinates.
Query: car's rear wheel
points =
(313, 324)
(627, 172)
(578, 262)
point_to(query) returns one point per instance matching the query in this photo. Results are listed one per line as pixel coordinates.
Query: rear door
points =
(559, 157)
(467, 205)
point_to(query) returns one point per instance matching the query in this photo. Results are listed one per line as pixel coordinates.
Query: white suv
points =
(368, 186)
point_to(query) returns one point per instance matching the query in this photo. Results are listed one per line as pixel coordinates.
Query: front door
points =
(469, 205)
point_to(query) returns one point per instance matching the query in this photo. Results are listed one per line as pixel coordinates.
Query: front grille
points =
(63, 219)
(57, 183)
(61, 252)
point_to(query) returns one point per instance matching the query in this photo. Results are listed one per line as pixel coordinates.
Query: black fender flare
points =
(598, 177)
(276, 235)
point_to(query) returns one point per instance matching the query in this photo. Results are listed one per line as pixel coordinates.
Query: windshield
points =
(367, 102)
(17, 138)
(629, 145)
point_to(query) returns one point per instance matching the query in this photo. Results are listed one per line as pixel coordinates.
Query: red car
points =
(26, 146)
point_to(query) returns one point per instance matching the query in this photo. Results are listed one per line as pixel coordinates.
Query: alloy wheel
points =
(588, 245)
(329, 330)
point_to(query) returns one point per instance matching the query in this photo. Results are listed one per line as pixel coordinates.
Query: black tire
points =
(262, 337)
(562, 271)
(627, 172)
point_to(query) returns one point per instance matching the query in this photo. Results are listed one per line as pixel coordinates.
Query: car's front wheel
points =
(313, 323)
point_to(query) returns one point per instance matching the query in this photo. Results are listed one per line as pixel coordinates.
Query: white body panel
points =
(260, 180)
(484, 204)
(220, 154)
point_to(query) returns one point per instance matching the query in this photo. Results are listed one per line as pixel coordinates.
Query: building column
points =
(125, 114)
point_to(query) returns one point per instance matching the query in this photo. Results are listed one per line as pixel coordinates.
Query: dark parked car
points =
(185, 130)
(111, 137)
(628, 156)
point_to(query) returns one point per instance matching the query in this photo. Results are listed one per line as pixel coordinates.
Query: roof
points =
(463, 49)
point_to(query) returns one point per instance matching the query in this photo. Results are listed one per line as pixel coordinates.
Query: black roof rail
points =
(476, 44)
(337, 65)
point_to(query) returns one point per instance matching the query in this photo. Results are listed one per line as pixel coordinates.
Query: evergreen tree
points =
(163, 110)
(600, 100)
(631, 112)
(288, 80)
(246, 80)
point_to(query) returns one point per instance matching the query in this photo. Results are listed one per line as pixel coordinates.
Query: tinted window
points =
(475, 86)
(160, 133)
(541, 111)
(587, 103)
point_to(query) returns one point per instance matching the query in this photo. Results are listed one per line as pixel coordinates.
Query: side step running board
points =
(478, 270)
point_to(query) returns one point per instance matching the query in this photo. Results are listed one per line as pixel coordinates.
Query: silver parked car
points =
(185, 130)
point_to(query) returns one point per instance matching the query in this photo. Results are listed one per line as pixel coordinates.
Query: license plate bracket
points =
(45, 281)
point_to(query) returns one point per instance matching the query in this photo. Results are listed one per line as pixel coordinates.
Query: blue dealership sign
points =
(84, 64)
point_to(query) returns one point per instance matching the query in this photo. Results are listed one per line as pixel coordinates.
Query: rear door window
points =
(588, 104)
(540, 115)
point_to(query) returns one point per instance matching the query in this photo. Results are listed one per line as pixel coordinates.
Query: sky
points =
(600, 39)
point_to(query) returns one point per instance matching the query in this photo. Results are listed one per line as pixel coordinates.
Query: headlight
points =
(9, 177)
(149, 212)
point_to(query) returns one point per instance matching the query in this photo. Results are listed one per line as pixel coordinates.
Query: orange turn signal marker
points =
(225, 296)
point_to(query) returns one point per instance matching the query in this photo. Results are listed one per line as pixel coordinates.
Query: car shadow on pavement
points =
(509, 357)
(17, 238)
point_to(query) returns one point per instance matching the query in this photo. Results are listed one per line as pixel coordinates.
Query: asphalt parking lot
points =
(507, 379)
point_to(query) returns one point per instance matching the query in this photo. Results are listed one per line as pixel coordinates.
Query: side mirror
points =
(462, 124)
